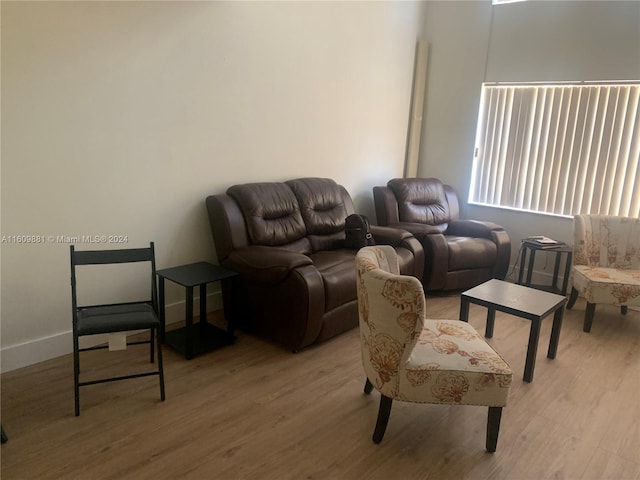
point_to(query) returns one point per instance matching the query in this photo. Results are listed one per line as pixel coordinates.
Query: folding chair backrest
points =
(108, 257)
(98, 257)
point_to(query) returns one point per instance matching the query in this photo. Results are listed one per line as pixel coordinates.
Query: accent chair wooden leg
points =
(368, 387)
(588, 317)
(624, 309)
(572, 298)
(493, 428)
(383, 418)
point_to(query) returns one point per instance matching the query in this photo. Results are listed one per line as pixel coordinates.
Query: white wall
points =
(121, 117)
(528, 41)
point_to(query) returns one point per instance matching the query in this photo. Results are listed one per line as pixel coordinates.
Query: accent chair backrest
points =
(391, 309)
(606, 241)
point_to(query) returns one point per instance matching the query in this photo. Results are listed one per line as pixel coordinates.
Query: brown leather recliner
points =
(298, 281)
(459, 254)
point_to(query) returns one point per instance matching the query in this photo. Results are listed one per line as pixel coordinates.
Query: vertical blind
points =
(561, 149)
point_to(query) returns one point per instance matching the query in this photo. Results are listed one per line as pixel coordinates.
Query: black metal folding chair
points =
(115, 317)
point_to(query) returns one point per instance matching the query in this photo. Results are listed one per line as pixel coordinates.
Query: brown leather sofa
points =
(298, 282)
(459, 254)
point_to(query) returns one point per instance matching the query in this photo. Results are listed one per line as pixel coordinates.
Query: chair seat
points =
(116, 318)
(607, 285)
(452, 364)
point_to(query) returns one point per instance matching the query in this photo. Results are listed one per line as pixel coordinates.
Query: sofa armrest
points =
(389, 235)
(265, 265)
(386, 206)
(399, 238)
(227, 225)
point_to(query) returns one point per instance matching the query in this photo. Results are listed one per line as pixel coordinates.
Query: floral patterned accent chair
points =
(410, 358)
(606, 263)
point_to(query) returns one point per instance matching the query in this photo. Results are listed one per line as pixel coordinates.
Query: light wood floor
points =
(256, 411)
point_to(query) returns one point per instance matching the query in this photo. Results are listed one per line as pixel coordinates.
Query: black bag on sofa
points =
(357, 232)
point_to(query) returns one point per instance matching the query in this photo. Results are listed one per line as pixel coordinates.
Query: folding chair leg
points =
(151, 343)
(160, 365)
(383, 418)
(76, 375)
(493, 428)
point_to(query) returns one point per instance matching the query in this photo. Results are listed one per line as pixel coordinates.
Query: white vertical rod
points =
(417, 106)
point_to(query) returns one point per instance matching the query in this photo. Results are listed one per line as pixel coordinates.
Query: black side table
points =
(192, 340)
(531, 249)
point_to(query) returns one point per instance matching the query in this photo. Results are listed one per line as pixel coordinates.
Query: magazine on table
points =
(542, 241)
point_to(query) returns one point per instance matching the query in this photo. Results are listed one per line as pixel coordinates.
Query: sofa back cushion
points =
(272, 215)
(421, 200)
(324, 210)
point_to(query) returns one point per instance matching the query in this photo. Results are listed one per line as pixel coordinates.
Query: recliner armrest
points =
(265, 265)
(473, 228)
(491, 231)
(418, 230)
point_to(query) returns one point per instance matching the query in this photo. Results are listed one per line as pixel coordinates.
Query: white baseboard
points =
(38, 350)
(537, 278)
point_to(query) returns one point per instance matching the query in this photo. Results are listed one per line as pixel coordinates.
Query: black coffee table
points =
(521, 301)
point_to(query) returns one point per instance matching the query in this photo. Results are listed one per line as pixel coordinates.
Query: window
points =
(561, 149)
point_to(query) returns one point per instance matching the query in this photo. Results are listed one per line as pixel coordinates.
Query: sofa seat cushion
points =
(470, 253)
(338, 271)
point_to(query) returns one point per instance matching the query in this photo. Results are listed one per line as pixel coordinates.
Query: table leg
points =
(161, 308)
(567, 271)
(532, 349)
(556, 269)
(464, 309)
(555, 332)
(203, 305)
(522, 260)
(189, 325)
(491, 319)
(532, 257)
(230, 312)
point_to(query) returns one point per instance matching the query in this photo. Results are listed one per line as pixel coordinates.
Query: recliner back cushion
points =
(271, 212)
(421, 200)
(321, 205)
